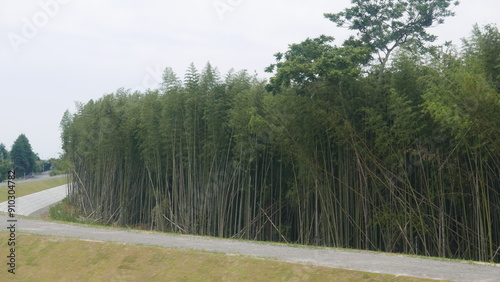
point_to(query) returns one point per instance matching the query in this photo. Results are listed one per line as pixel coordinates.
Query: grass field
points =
(47, 258)
(23, 189)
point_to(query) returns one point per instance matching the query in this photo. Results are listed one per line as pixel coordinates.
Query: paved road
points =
(354, 260)
(38, 177)
(36, 203)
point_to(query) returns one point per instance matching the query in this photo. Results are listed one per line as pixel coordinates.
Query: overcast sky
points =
(56, 52)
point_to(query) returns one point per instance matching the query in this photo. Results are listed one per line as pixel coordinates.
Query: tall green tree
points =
(4, 162)
(170, 81)
(191, 77)
(23, 157)
(64, 127)
(483, 49)
(384, 25)
(4, 155)
(316, 63)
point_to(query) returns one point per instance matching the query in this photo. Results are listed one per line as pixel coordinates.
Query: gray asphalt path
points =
(353, 260)
(33, 204)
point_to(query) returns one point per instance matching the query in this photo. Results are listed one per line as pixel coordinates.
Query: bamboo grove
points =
(401, 160)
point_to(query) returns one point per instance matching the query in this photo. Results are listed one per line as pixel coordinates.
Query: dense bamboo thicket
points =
(405, 159)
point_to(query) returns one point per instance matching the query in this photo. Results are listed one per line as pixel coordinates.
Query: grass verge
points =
(48, 258)
(63, 211)
(23, 189)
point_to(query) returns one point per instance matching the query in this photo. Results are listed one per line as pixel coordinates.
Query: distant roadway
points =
(37, 203)
(38, 177)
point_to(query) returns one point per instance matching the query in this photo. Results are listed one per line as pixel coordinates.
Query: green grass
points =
(49, 258)
(23, 189)
(63, 211)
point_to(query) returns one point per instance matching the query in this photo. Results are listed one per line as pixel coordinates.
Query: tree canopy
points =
(315, 62)
(5, 163)
(23, 157)
(384, 25)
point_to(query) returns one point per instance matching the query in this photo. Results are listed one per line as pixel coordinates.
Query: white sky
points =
(81, 49)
